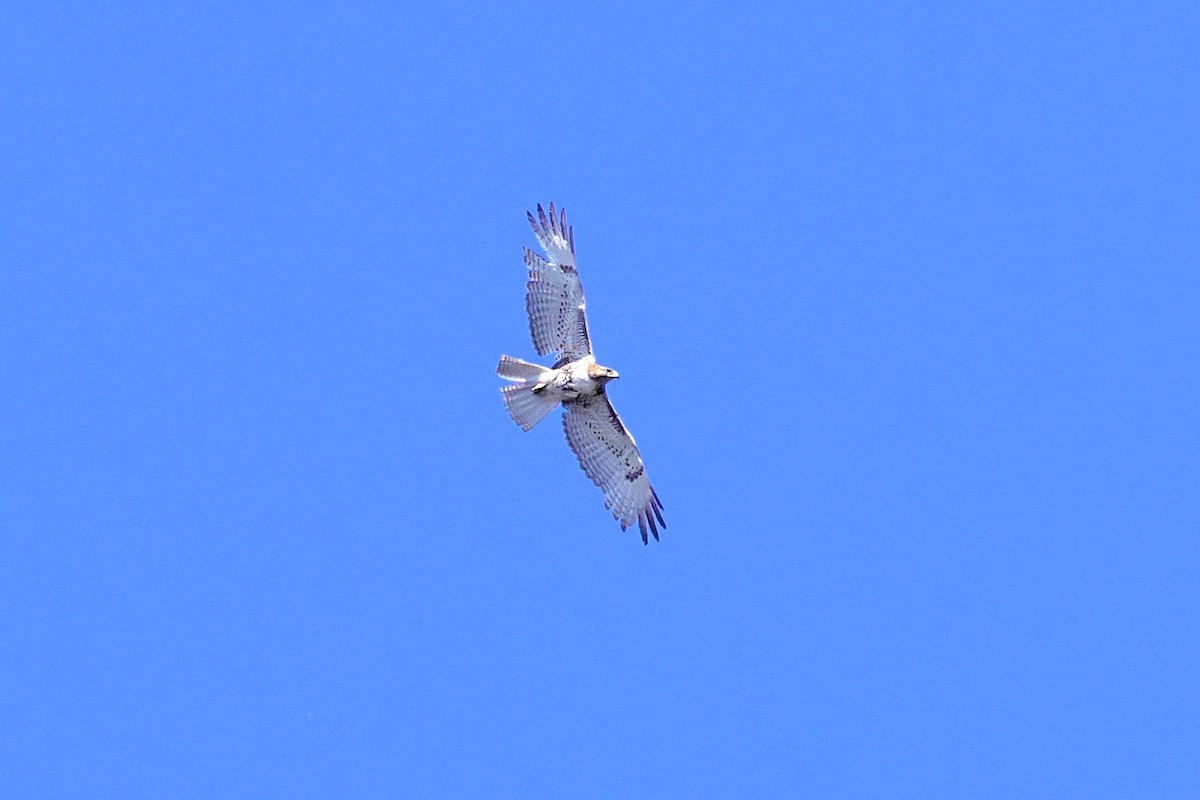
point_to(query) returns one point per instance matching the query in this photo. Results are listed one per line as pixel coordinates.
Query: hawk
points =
(558, 325)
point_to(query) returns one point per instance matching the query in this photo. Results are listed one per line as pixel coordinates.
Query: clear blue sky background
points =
(904, 300)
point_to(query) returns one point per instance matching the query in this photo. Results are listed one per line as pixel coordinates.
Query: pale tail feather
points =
(524, 406)
(514, 369)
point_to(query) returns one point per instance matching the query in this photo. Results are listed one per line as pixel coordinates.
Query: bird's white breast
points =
(573, 380)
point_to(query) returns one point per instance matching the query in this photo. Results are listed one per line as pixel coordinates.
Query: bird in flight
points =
(558, 325)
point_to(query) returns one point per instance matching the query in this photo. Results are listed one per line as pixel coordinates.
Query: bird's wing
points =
(610, 457)
(554, 301)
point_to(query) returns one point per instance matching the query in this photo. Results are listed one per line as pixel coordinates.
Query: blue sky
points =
(905, 305)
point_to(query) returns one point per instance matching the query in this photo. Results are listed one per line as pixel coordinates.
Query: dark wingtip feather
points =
(571, 239)
(653, 529)
(553, 220)
(642, 527)
(658, 514)
(542, 216)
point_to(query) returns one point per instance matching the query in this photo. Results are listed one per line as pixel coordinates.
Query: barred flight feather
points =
(557, 316)
(609, 456)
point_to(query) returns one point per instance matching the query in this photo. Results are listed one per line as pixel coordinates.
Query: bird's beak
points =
(612, 373)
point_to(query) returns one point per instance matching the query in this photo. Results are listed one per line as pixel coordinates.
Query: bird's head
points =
(600, 373)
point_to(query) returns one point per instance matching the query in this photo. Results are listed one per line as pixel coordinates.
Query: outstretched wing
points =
(557, 320)
(610, 457)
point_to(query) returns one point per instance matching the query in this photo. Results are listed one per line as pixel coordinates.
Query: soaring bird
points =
(558, 325)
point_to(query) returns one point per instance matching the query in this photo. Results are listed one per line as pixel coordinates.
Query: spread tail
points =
(514, 369)
(526, 407)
